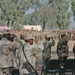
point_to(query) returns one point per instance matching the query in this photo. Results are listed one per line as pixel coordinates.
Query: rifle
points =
(28, 66)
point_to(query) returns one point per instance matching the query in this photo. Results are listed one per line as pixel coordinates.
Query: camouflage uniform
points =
(30, 51)
(6, 55)
(62, 50)
(46, 53)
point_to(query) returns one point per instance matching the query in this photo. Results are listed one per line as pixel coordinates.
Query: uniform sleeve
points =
(40, 46)
(6, 48)
(52, 43)
(14, 45)
(37, 48)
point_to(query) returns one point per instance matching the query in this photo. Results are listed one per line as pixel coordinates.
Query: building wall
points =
(2, 27)
(32, 27)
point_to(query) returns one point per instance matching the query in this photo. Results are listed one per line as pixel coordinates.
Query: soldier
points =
(46, 53)
(14, 39)
(62, 49)
(74, 50)
(30, 50)
(6, 54)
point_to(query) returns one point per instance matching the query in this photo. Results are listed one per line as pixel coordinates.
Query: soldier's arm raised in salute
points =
(52, 43)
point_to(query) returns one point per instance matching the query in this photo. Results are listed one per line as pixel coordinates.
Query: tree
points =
(54, 14)
(48, 13)
(13, 9)
(73, 7)
(63, 19)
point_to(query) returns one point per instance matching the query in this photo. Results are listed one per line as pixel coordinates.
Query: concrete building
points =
(32, 27)
(2, 27)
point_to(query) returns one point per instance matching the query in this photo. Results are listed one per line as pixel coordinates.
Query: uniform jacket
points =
(30, 51)
(47, 48)
(6, 52)
(62, 48)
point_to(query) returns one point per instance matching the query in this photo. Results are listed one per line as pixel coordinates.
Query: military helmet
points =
(47, 36)
(28, 36)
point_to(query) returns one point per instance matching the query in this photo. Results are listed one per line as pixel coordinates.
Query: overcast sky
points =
(72, 22)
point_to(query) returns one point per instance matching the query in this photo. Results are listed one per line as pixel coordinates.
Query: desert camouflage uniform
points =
(6, 55)
(30, 51)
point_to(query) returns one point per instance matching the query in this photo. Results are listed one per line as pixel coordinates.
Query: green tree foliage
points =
(55, 14)
(48, 13)
(13, 9)
(44, 15)
(63, 19)
(32, 18)
(73, 7)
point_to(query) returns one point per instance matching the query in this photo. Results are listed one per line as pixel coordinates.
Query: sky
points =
(72, 22)
(30, 10)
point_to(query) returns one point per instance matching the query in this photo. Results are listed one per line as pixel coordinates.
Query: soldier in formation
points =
(30, 50)
(6, 53)
(46, 53)
(62, 49)
(9, 44)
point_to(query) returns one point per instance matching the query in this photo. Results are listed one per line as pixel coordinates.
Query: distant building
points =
(33, 27)
(3, 27)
